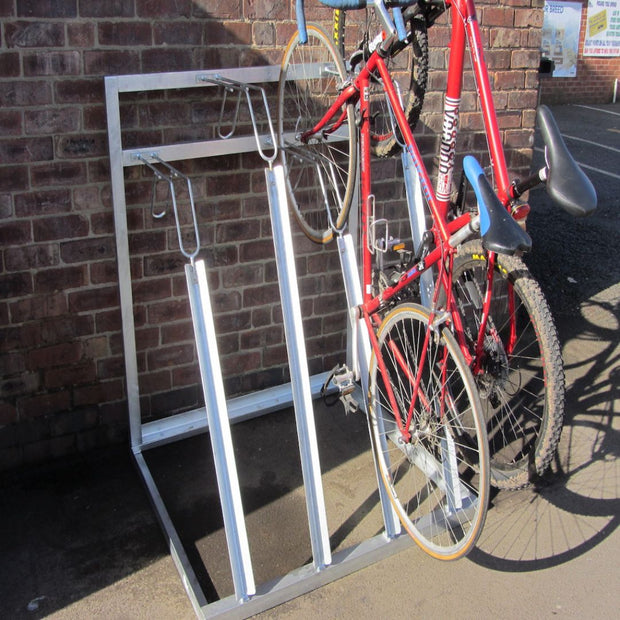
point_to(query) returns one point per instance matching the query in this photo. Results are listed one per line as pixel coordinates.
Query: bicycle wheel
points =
(438, 478)
(409, 71)
(319, 173)
(521, 375)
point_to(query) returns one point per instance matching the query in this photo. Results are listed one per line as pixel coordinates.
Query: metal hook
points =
(170, 178)
(241, 88)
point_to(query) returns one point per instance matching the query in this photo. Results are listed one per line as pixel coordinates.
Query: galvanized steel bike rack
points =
(219, 413)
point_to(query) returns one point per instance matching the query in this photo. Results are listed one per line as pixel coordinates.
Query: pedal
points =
(343, 380)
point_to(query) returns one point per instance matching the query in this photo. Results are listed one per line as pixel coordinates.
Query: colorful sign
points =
(602, 28)
(560, 36)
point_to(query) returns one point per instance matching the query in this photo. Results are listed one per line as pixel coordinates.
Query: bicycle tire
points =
(522, 391)
(438, 481)
(409, 70)
(320, 174)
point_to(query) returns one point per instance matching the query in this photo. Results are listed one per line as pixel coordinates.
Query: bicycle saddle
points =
(567, 184)
(499, 231)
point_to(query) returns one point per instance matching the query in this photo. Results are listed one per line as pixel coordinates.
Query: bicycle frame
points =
(465, 32)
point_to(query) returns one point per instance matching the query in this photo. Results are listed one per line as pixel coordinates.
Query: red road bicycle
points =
(488, 330)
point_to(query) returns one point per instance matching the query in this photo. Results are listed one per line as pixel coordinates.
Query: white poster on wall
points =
(602, 28)
(560, 36)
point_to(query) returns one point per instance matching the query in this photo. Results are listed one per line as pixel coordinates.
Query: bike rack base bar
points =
(305, 579)
(240, 408)
(277, 591)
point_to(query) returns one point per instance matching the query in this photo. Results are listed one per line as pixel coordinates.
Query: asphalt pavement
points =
(78, 537)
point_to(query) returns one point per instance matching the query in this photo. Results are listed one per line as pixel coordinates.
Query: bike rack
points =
(219, 413)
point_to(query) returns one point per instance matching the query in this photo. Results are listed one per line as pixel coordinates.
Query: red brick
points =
(103, 272)
(123, 34)
(15, 285)
(115, 8)
(42, 203)
(94, 299)
(56, 355)
(9, 65)
(229, 33)
(22, 337)
(85, 90)
(44, 404)
(52, 120)
(147, 242)
(81, 35)
(87, 249)
(59, 279)
(30, 257)
(178, 332)
(244, 362)
(25, 93)
(15, 233)
(181, 33)
(154, 9)
(505, 80)
(10, 123)
(12, 363)
(58, 173)
(47, 8)
(175, 355)
(83, 145)
(26, 150)
(167, 59)
(52, 63)
(497, 16)
(65, 328)
(505, 37)
(34, 34)
(241, 230)
(166, 264)
(60, 227)
(101, 393)
(35, 308)
(528, 18)
(157, 381)
(75, 374)
(186, 375)
(166, 311)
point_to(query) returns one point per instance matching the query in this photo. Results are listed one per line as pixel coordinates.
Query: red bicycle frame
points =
(465, 31)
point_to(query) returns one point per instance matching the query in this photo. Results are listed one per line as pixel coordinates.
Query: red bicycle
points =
(488, 330)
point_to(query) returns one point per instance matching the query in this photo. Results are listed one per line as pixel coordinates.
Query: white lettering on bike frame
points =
(448, 148)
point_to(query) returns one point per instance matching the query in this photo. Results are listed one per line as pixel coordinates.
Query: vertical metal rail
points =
(300, 377)
(219, 427)
(417, 220)
(122, 257)
(361, 355)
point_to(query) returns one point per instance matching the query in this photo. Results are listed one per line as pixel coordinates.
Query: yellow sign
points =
(597, 23)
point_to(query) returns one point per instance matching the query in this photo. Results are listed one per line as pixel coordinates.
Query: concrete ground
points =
(79, 539)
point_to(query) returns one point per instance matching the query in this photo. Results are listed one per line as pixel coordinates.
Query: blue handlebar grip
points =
(399, 22)
(473, 172)
(301, 21)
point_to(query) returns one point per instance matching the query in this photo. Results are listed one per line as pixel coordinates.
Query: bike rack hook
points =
(170, 178)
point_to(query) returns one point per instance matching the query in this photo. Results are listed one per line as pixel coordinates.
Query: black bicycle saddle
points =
(567, 184)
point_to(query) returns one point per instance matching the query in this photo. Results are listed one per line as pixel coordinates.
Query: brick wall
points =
(594, 82)
(61, 365)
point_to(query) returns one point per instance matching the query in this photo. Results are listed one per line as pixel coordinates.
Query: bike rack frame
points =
(219, 413)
